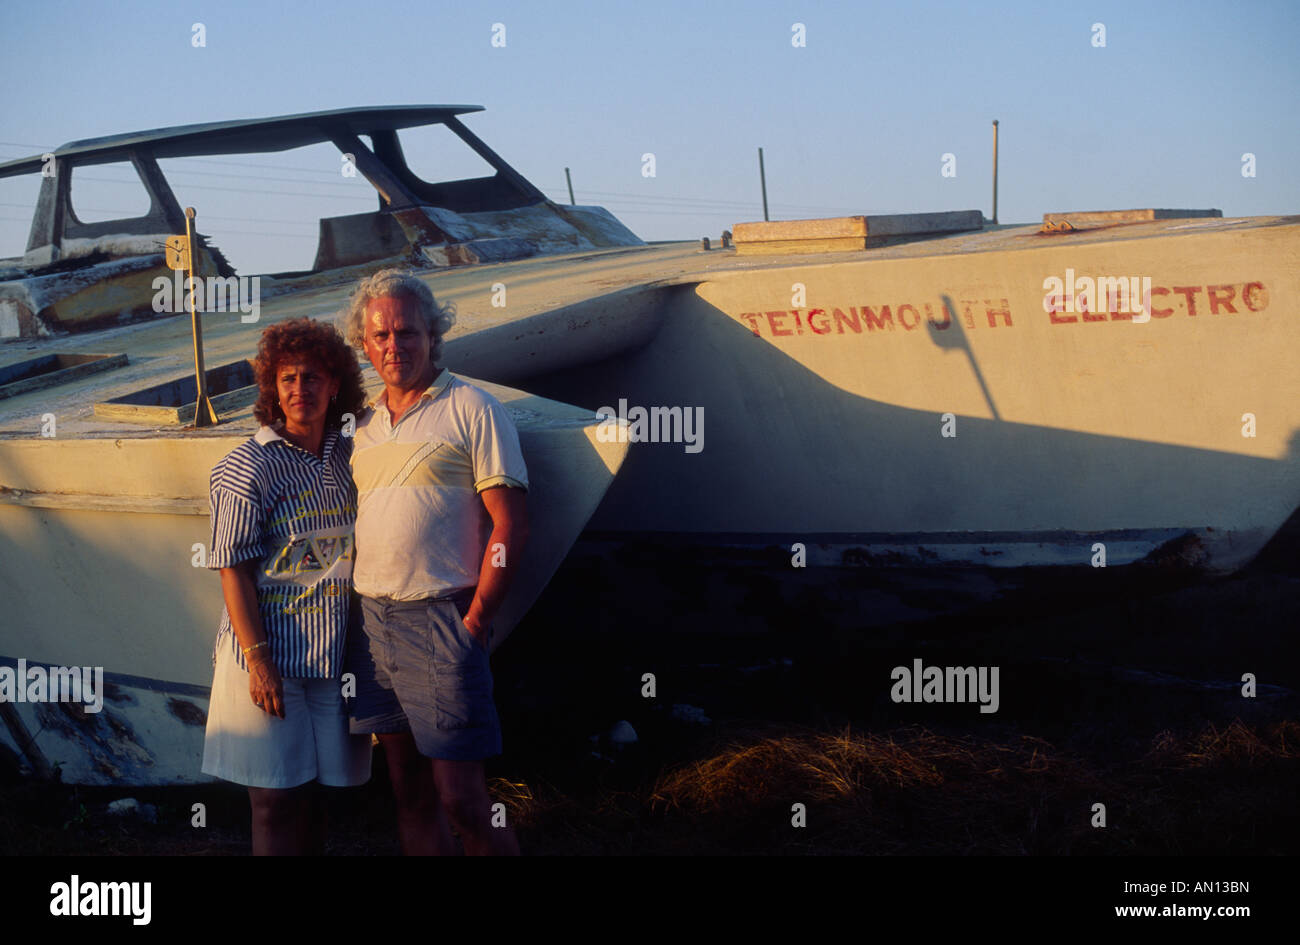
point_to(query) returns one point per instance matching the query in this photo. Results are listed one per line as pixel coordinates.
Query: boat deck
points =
(160, 349)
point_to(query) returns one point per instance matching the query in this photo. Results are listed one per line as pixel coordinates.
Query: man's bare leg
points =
(421, 821)
(462, 786)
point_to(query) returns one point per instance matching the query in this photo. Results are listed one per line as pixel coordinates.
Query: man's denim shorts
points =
(419, 669)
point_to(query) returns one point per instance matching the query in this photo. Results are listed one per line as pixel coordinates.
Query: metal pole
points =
(572, 202)
(762, 179)
(205, 415)
(995, 170)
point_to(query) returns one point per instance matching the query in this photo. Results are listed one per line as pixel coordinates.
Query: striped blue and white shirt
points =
(276, 503)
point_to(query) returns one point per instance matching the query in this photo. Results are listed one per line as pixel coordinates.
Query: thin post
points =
(995, 170)
(572, 202)
(205, 415)
(762, 180)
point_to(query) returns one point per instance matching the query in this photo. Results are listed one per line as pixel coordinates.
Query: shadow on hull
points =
(790, 457)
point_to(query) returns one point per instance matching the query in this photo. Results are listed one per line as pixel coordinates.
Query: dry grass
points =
(909, 791)
(816, 766)
(1220, 789)
(1237, 744)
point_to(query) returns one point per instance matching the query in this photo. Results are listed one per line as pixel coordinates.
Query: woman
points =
(283, 508)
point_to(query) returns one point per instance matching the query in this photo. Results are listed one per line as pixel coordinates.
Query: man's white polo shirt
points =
(421, 526)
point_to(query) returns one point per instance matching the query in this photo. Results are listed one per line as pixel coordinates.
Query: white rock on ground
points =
(130, 807)
(623, 733)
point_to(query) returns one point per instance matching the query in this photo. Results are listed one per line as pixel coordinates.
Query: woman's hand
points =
(265, 685)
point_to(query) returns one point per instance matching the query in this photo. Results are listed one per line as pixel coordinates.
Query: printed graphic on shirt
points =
(291, 507)
(293, 599)
(313, 555)
(305, 570)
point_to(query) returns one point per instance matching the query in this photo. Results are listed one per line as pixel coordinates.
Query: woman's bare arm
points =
(239, 587)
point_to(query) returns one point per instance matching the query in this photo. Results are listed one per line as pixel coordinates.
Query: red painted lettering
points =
(1188, 292)
(1085, 306)
(841, 320)
(886, 319)
(1160, 312)
(1216, 293)
(772, 319)
(947, 317)
(1115, 310)
(1056, 305)
(1255, 296)
(991, 313)
(1083, 303)
(965, 311)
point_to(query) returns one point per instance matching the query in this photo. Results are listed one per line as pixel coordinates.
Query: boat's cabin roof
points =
(380, 160)
(245, 136)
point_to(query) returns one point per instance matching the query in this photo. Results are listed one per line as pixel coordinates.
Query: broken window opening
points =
(102, 192)
(264, 210)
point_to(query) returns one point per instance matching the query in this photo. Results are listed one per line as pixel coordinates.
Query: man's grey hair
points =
(398, 283)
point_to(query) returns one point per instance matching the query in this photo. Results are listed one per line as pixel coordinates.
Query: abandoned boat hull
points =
(919, 403)
(927, 409)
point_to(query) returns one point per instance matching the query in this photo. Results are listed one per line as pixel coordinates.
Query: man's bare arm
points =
(508, 509)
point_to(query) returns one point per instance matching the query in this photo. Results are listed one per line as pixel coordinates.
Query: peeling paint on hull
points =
(148, 732)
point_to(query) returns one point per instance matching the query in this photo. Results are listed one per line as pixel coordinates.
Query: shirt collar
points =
(268, 435)
(440, 382)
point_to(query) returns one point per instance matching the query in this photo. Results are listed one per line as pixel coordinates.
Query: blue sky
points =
(856, 121)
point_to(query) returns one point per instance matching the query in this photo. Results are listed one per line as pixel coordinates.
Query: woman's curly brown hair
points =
(319, 342)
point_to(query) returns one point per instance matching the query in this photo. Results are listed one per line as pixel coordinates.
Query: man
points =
(441, 523)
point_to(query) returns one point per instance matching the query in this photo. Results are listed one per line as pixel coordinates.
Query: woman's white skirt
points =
(249, 746)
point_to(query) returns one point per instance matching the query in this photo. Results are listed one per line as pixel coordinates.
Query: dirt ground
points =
(772, 704)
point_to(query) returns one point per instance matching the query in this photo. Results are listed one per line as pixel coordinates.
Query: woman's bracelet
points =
(250, 649)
